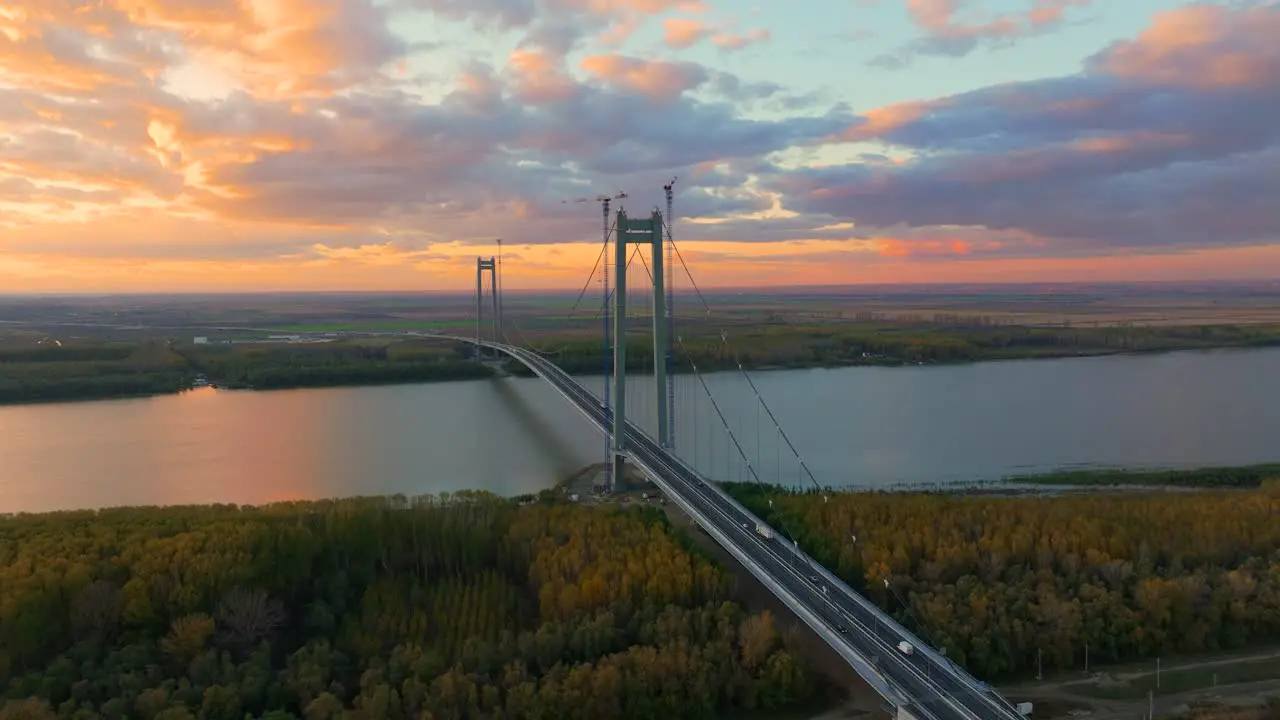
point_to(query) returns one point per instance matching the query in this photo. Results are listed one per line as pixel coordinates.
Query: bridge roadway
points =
(923, 684)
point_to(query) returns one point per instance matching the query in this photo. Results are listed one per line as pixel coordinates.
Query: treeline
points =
(90, 371)
(930, 343)
(1247, 476)
(995, 580)
(841, 344)
(269, 367)
(93, 370)
(463, 606)
(1269, 710)
(587, 356)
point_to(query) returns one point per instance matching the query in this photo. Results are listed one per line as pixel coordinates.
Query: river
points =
(867, 427)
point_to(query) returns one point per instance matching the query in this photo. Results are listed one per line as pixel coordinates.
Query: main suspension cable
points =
(603, 249)
(750, 469)
(724, 338)
(907, 606)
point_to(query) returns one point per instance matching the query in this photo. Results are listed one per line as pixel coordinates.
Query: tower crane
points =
(604, 201)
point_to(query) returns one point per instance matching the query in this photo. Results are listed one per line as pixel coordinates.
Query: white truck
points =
(905, 648)
(764, 531)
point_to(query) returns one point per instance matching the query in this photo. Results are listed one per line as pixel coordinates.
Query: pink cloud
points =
(730, 42)
(950, 30)
(655, 79)
(889, 247)
(683, 33)
(882, 121)
(1205, 46)
(540, 77)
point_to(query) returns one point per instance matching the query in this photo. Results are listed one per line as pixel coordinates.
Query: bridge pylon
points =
(489, 265)
(645, 231)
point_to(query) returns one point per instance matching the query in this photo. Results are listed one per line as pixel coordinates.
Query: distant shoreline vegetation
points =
(788, 346)
(86, 369)
(1243, 476)
(112, 370)
(1246, 477)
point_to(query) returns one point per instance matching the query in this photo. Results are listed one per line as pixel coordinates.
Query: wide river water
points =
(868, 427)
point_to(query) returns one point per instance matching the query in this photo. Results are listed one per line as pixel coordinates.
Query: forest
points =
(997, 579)
(47, 372)
(787, 344)
(352, 362)
(84, 370)
(463, 606)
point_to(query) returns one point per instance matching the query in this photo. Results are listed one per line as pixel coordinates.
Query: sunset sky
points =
(161, 145)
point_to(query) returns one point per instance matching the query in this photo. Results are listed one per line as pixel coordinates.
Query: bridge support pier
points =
(491, 266)
(647, 231)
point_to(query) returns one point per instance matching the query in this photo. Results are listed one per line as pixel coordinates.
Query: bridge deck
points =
(924, 683)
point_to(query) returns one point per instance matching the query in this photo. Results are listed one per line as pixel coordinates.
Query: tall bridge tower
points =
(491, 266)
(645, 231)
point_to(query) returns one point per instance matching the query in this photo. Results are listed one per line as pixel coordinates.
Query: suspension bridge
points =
(916, 680)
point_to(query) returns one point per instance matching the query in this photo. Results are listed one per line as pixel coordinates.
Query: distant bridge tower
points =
(648, 231)
(490, 265)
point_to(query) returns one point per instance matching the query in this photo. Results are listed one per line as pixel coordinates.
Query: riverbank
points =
(1246, 476)
(35, 369)
(789, 346)
(93, 370)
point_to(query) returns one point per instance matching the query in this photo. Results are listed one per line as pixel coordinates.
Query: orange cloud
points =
(1203, 46)
(683, 33)
(938, 17)
(646, 7)
(540, 77)
(27, 60)
(731, 42)
(880, 121)
(655, 79)
(888, 247)
(1129, 142)
(271, 47)
(931, 14)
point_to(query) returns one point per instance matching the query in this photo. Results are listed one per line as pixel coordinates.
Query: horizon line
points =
(757, 289)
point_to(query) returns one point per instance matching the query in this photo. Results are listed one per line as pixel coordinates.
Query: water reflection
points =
(866, 426)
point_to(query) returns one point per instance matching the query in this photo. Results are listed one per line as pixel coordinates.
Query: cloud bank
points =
(330, 133)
